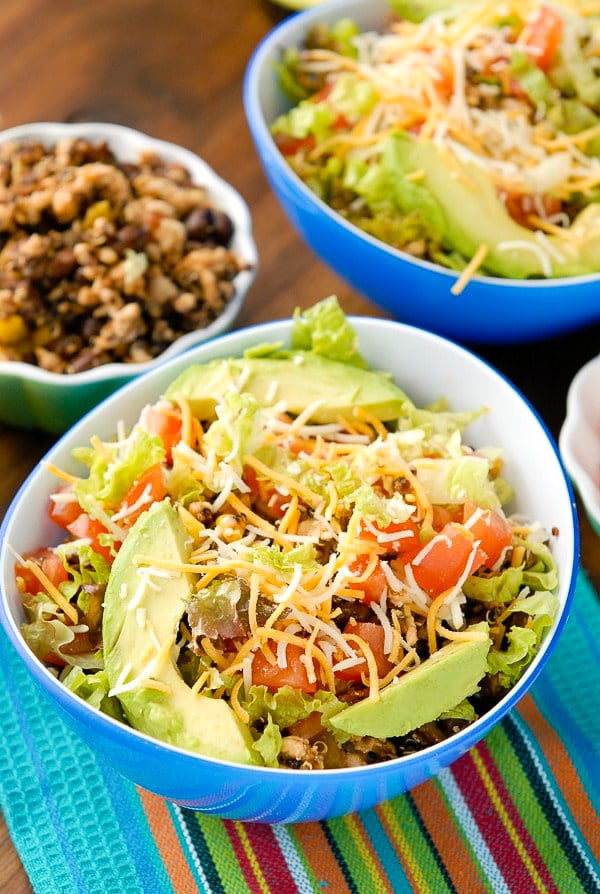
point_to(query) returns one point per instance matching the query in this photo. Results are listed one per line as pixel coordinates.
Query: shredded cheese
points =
(60, 473)
(373, 673)
(470, 270)
(52, 591)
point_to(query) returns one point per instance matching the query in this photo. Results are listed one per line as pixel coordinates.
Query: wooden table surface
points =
(175, 71)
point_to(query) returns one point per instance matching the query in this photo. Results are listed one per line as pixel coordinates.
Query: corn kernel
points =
(12, 330)
(229, 527)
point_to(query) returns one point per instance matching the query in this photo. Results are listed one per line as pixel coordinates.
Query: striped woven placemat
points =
(519, 813)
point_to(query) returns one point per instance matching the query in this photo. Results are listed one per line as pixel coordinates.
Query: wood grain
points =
(175, 70)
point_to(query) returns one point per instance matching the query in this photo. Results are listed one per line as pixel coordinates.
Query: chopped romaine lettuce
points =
(114, 469)
(325, 330)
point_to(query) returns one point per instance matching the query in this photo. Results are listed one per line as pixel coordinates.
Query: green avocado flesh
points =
(300, 381)
(438, 684)
(473, 216)
(141, 618)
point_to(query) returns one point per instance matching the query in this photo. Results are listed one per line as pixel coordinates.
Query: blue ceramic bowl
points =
(489, 310)
(427, 367)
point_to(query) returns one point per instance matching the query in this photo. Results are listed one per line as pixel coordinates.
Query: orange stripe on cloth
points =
(564, 772)
(446, 837)
(317, 851)
(167, 842)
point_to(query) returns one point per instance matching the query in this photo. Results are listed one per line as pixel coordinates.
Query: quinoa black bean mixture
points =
(104, 261)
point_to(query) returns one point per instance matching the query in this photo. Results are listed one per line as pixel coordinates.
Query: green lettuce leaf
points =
(452, 481)
(181, 484)
(462, 711)
(268, 744)
(93, 688)
(503, 587)
(531, 78)
(523, 642)
(90, 567)
(288, 705)
(541, 574)
(306, 119)
(324, 329)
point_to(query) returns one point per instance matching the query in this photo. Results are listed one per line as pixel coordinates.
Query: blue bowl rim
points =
(262, 53)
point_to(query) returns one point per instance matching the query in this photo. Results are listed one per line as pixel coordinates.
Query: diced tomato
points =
(288, 145)
(309, 727)
(166, 423)
(63, 512)
(525, 208)
(89, 528)
(444, 76)
(150, 484)
(269, 500)
(274, 677)
(446, 559)
(373, 634)
(251, 479)
(50, 564)
(493, 532)
(542, 36)
(442, 515)
(53, 658)
(407, 543)
(374, 585)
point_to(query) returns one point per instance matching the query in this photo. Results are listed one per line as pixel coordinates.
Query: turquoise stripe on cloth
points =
(77, 824)
(80, 828)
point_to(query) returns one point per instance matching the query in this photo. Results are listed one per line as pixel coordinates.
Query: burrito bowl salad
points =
(285, 562)
(467, 134)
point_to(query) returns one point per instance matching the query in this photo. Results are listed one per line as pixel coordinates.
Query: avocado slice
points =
(141, 617)
(299, 380)
(474, 215)
(438, 684)
(417, 10)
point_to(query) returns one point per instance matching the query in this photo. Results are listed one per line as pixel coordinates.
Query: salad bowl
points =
(41, 397)
(427, 367)
(579, 438)
(489, 309)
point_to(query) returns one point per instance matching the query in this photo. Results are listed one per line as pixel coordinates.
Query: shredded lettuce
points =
(114, 470)
(283, 561)
(46, 633)
(90, 567)
(452, 481)
(236, 432)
